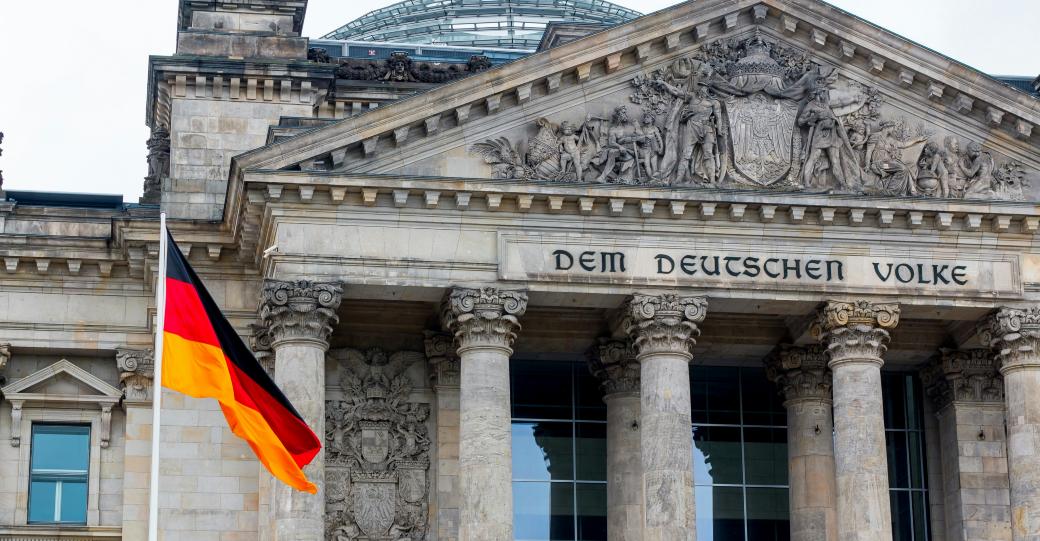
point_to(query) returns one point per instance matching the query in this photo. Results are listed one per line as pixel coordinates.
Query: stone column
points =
(136, 373)
(856, 336)
(967, 394)
(299, 316)
(484, 322)
(662, 328)
(1015, 336)
(805, 382)
(614, 363)
(445, 377)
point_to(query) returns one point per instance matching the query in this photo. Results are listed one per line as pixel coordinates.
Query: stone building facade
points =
(739, 269)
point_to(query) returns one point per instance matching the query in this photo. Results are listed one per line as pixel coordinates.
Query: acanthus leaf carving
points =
(5, 355)
(1014, 335)
(754, 113)
(445, 367)
(485, 316)
(299, 310)
(665, 323)
(614, 363)
(377, 451)
(856, 330)
(800, 372)
(963, 376)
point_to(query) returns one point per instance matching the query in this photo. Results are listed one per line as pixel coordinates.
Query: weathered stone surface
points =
(614, 363)
(855, 334)
(663, 329)
(1015, 336)
(484, 322)
(136, 373)
(446, 378)
(805, 382)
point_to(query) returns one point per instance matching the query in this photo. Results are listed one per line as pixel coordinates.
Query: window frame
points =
(75, 477)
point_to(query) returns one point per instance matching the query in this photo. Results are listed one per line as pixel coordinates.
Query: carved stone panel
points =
(377, 451)
(754, 113)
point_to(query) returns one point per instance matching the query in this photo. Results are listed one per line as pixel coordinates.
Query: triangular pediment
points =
(895, 118)
(59, 381)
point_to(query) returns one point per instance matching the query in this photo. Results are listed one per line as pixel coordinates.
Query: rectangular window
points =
(58, 474)
(559, 453)
(904, 434)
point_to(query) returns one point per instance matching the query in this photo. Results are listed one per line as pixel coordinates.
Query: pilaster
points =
(614, 363)
(1014, 335)
(5, 355)
(445, 376)
(484, 323)
(136, 373)
(662, 329)
(802, 375)
(299, 317)
(856, 334)
(967, 394)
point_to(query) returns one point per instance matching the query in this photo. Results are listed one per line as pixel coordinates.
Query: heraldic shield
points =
(762, 130)
(374, 504)
(375, 441)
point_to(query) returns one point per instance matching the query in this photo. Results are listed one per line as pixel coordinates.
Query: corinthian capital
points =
(5, 355)
(1014, 334)
(484, 317)
(855, 330)
(613, 362)
(300, 310)
(800, 372)
(663, 323)
(136, 372)
(444, 361)
(969, 375)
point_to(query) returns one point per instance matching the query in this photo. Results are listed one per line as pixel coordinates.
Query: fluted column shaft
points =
(856, 336)
(662, 329)
(614, 363)
(1015, 335)
(484, 322)
(299, 316)
(805, 382)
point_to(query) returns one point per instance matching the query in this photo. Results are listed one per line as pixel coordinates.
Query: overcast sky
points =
(73, 72)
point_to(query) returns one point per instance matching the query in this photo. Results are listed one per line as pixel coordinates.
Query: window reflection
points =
(904, 439)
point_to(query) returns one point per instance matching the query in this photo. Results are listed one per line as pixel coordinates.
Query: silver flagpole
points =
(160, 306)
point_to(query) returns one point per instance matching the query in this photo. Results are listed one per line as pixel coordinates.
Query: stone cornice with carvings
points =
(299, 311)
(808, 24)
(614, 363)
(856, 330)
(485, 317)
(136, 373)
(1014, 335)
(969, 375)
(665, 323)
(801, 373)
(442, 356)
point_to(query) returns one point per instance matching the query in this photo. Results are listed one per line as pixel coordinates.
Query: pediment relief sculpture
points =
(377, 451)
(756, 114)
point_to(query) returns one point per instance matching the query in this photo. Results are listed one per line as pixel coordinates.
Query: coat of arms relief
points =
(755, 114)
(376, 451)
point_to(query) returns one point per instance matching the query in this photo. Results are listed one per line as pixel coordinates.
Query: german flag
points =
(203, 357)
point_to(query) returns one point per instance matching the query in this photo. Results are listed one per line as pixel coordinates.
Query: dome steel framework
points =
(513, 24)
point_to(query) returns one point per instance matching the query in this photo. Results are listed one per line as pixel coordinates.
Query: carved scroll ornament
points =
(755, 114)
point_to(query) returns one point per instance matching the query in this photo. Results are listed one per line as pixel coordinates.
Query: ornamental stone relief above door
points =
(753, 113)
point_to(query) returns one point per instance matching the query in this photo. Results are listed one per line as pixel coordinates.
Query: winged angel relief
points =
(377, 451)
(755, 114)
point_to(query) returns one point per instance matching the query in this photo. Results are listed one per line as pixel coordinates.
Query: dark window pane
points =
(765, 456)
(916, 450)
(762, 402)
(893, 396)
(920, 503)
(543, 511)
(898, 473)
(589, 399)
(716, 455)
(74, 501)
(767, 514)
(542, 451)
(901, 516)
(60, 447)
(541, 390)
(592, 512)
(720, 513)
(41, 501)
(914, 418)
(715, 394)
(591, 451)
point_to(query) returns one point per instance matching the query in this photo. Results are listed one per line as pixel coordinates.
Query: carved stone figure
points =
(400, 68)
(756, 114)
(158, 164)
(377, 451)
(315, 54)
(478, 63)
